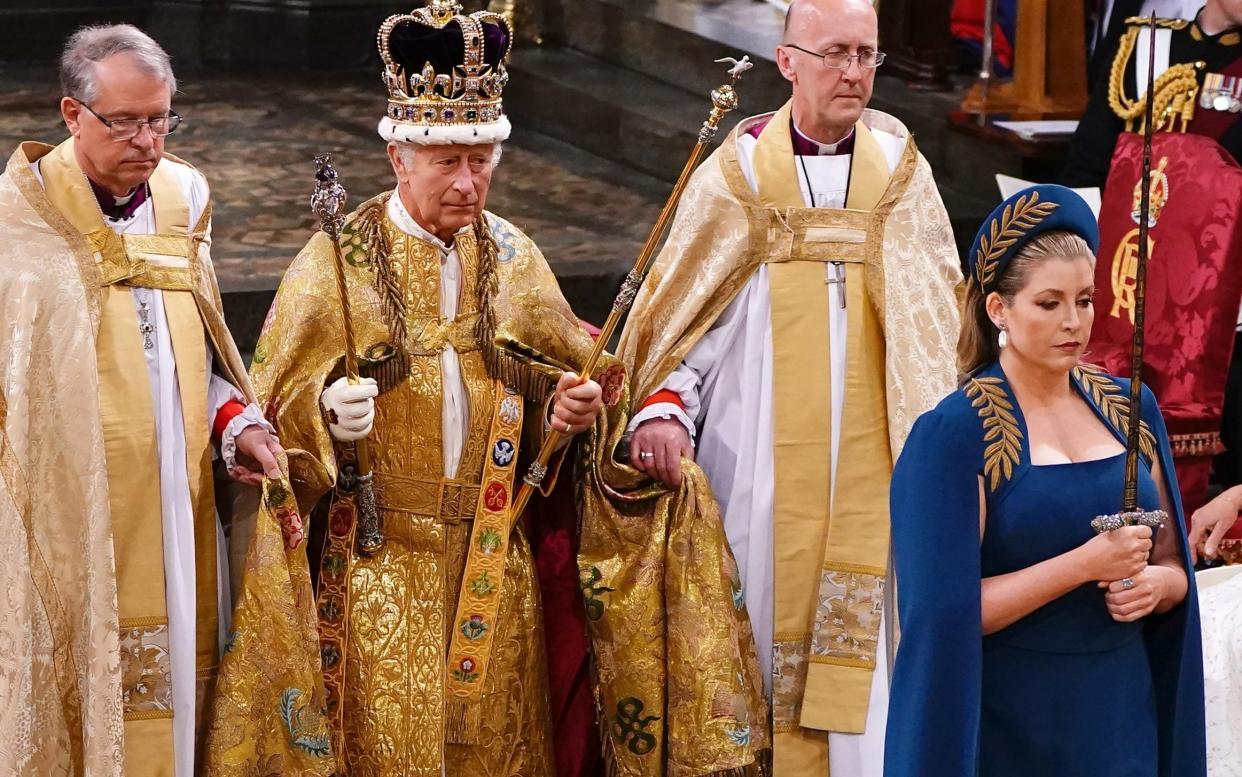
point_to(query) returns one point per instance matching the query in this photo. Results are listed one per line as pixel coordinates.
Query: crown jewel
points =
(445, 72)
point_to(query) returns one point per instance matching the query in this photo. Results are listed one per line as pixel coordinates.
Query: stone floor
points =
(255, 137)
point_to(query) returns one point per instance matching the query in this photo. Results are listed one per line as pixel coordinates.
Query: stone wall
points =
(251, 34)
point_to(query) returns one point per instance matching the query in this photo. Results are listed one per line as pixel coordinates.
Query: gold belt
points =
(449, 500)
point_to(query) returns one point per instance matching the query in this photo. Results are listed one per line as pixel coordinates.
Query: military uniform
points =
(1091, 150)
(1216, 102)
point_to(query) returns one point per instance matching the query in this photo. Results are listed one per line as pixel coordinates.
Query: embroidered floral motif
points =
(307, 729)
(146, 670)
(291, 527)
(482, 585)
(611, 381)
(466, 671)
(789, 665)
(629, 726)
(490, 541)
(474, 627)
(847, 620)
(330, 611)
(334, 566)
(1114, 404)
(1000, 425)
(1013, 224)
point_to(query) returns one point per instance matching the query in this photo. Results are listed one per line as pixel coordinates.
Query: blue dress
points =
(1069, 665)
(1065, 691)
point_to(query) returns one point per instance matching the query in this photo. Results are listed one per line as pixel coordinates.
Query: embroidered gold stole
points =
(387, 622)
(830, 543)
(159, 261)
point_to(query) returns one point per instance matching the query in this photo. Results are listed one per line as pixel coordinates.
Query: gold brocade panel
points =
(401, 601)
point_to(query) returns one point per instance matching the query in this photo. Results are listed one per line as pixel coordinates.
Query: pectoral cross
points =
(836, 278)
(146, 328)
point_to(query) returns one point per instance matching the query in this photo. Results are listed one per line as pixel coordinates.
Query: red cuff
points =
(224, 416)
(664, 395)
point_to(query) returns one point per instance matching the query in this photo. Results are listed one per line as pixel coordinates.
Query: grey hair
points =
(91, 45)
(407, 150)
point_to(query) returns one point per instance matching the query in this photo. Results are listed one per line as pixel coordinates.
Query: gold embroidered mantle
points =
(267, 715)
(67, 672)
(386, 620)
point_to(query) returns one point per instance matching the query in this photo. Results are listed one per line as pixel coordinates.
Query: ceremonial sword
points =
(1131, 514)
(724, 100)
(328, 203)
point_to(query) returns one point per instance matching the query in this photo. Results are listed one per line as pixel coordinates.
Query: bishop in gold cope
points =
(799, 318)
(120, 383)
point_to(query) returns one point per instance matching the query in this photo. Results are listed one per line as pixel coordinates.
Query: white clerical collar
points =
(406, 223)
(825, 149)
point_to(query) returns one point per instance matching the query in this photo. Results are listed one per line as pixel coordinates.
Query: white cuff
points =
(663, 410)
(251, 416)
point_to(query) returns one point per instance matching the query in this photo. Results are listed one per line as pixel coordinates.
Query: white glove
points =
(350, 408)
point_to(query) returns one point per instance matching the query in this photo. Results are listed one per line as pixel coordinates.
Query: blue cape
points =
(934, 710)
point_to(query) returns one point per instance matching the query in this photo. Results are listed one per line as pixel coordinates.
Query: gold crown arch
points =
(469, 95)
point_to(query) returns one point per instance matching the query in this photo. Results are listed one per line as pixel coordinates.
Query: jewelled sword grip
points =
(1151, 518)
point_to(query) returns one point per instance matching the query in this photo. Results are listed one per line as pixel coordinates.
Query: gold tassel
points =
(528, 371)
(388, 372)
(461, 722)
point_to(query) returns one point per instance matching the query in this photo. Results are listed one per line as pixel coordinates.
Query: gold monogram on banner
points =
(1125, 260)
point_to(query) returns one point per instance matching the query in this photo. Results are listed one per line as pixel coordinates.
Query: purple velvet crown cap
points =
(412, 45)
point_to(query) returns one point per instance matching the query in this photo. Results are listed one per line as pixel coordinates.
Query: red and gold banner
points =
(1194, 284)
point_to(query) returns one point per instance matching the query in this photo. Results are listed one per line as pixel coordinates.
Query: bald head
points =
(815, 15)
(828, 100)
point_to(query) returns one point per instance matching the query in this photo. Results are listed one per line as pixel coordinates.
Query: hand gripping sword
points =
(328, 204)
(1131, 514)
(724, 100)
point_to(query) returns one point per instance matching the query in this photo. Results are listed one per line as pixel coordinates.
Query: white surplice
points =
(176, 508)
(725, 383)
(1220, 607)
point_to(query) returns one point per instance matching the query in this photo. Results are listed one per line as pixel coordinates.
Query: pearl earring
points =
(1002, 339)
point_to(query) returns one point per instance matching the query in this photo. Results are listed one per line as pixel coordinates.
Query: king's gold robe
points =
(387, 620)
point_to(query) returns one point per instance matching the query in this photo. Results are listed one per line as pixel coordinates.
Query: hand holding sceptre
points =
(328, 204)
(724, 100)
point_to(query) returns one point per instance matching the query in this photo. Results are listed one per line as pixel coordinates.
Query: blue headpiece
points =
(1019, 219)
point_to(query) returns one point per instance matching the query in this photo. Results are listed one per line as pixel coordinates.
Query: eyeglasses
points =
(126, 129)
(840, 60)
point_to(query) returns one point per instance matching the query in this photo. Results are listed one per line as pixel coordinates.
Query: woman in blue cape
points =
(1030, 646)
